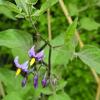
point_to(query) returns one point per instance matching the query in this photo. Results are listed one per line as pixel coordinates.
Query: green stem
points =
(2, 93)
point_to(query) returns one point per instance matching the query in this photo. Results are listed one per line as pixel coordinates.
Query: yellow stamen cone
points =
(18, 71)
(32, 61)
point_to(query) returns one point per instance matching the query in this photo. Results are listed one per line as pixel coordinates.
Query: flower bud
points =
(35, 81)
(24, 82)
(44, 82)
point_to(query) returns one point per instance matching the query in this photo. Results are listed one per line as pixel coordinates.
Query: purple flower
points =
(36, 81)
(44, 82)
(23, 67)
(38, 56)
(24, 82)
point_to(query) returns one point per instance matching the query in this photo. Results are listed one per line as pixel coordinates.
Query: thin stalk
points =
(49, 24)
(33, 25)
(41, 48)
(2, 93)
(49, 37)
(49, 62)
(98, 93)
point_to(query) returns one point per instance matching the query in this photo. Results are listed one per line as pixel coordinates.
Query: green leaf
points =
(89, 24)
(59, 54)
(7, 8)
(47, 90)
(45, 6)
(70, 32)
(90, 55)
(12, 96)
(5, 11)
(60, 96)
(70, 40)
(33, 1)
(18, 41)
(58, 41)
(98, 3)
(9, 80)
(12, 85)
(61, 85)
(21, 15)
(22, 4)
(10, 6)
(73, 10)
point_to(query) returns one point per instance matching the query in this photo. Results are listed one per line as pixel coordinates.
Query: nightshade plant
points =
(58, 68)
(30, 66)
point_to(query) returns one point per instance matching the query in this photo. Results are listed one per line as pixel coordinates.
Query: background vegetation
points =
(72, 65)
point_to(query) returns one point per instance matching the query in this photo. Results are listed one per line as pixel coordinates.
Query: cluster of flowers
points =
(35, 57)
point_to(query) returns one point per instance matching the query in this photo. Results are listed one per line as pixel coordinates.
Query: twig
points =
(41, 48)
(49, 62)
(69, 19)
(50, 47)
(49, 24)
(98, 92)
(46, 41)
(2, 93)
(33, 25)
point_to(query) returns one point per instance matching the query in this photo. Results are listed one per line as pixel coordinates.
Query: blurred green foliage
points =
(70, 64)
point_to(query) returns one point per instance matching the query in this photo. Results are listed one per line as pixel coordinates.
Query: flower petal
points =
(24, 66)
(40, 55)
(16, 62)
(31, 52)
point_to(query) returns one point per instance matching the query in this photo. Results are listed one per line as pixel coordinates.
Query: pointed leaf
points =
(22, 5)
(45, 6)
(60, 96)
(10, 6)
(70, 32)
(90, 55)
(18, 41)
(89, 24)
